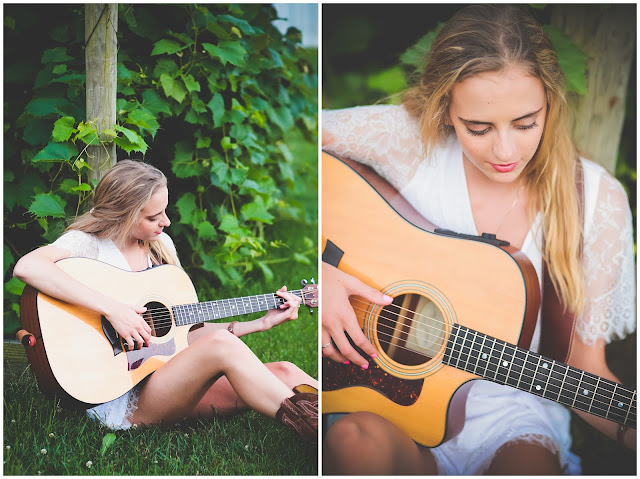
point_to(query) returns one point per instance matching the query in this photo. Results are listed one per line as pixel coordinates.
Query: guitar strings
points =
(162, 317)
(622, 392)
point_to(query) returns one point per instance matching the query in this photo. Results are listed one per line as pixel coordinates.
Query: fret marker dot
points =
(505, 363)
(484, 356)
(538, 387)
(620, 404)
(545, 365)
(586, 393)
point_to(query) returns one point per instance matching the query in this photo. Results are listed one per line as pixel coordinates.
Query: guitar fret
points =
(480, 353)
(629, 410)
(546, 384)
(504, 363)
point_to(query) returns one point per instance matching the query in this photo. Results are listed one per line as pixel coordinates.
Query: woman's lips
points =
(505, 168)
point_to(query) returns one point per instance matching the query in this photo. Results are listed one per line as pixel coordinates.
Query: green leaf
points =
(172, 87)
(268, 274)
(300, 258)
(417, 55)
(227, 52)
(257, 211)
(82, 187)
(107, 441)
(206, 231)
(63, 128)
(216, 105)
(389, 81)
(8, 259)
(131, 140)
(186, 207)
(183, 164)
(41, 107)
(572, 59)
(144, 120)
(191, 83)
(56, 152)
(166, 46)
(48, 204)
(14, 286)
(152, 102)
(55, 55)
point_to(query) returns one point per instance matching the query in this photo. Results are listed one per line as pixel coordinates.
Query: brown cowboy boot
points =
(300, 412)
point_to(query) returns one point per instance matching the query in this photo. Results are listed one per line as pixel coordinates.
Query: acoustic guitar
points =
(464, 308)
(77, 356)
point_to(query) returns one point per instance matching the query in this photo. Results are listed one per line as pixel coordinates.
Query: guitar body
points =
(437, 281)
(74, 360)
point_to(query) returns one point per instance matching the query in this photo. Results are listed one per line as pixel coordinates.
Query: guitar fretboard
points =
(505, 363)
(225, 308)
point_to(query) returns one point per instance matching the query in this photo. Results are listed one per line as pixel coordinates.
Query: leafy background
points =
(371, 54)
(215, 96)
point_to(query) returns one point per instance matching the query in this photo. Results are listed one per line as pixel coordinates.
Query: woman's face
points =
(153, 217)
(499, 119)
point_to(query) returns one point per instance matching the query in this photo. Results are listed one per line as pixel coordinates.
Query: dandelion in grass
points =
(52, 434)
(43, 451)
(89, 464)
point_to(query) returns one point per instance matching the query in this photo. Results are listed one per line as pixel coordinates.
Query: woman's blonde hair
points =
(487, 38)
(117, 201)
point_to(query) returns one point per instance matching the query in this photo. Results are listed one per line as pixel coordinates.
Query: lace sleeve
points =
(609, 268)
(79, 244)
(384, 137)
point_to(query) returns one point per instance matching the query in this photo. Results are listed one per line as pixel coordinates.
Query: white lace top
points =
(386, 138)
(115, 414)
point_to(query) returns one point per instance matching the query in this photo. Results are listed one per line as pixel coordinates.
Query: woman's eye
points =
(476, 132)
(528, 127)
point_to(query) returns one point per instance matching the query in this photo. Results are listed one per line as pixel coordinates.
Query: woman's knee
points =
(284, 370)
(354, 430)
(523, 457)
(219, 344)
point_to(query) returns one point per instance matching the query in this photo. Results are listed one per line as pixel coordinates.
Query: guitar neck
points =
(505, 363)
(225, 308)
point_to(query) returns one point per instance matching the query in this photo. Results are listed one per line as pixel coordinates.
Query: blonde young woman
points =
(482, 145)
(217, 372)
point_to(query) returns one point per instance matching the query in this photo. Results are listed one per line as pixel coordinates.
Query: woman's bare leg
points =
(364, 443)
(519, 457)
(221, 398)
(174, 390)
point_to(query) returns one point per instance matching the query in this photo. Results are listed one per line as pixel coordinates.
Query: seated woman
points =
(217, 372)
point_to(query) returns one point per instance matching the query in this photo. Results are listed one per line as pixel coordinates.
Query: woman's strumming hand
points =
(129, 324)
(339, 318)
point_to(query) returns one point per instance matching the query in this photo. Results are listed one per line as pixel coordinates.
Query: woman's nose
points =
(504, 149)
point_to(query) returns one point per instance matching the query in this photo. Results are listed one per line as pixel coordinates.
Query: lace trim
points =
(132, 406)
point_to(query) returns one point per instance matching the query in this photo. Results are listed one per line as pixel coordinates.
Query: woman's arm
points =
(383, 137)
(593, 360)
(39, 270)
(609, 310)
(287, 311)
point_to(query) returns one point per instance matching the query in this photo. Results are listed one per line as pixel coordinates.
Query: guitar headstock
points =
(309, 294)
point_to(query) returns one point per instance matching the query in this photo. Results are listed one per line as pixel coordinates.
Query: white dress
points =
(386, 138)
(114, 414)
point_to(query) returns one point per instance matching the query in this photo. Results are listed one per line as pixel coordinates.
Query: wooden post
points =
(607, 34)
(101, 26)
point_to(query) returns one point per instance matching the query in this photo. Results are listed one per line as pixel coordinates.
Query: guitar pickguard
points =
(336, 376)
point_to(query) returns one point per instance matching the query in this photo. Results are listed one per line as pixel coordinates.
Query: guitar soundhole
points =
(158, 318)
(411, 330)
